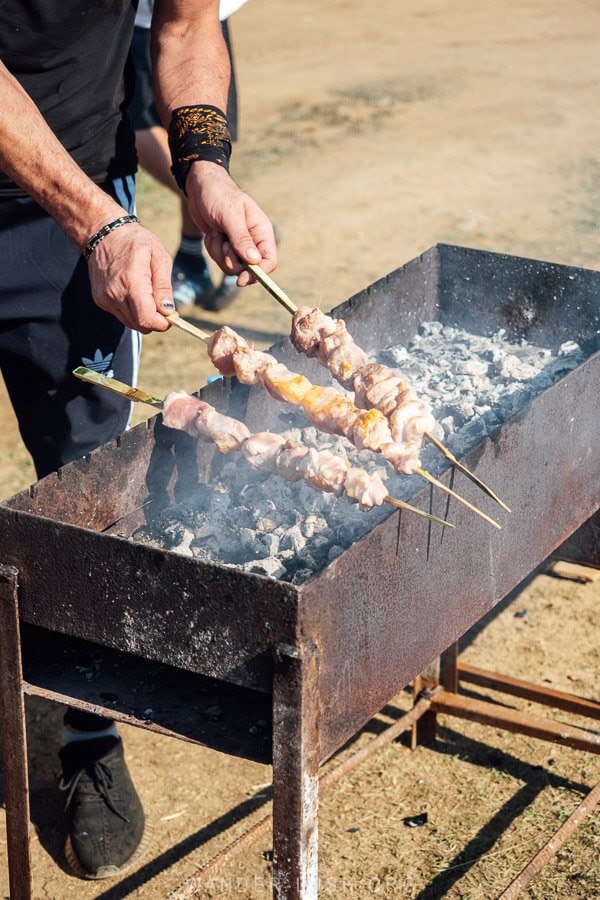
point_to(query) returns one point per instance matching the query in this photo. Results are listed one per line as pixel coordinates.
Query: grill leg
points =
(14, 741)
(295, 772)
(444, 671)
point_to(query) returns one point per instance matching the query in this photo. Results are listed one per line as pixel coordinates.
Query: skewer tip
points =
(400, 504)
(455, 462)
(429, 477)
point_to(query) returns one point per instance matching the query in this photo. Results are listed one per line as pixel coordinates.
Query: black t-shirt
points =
(72, 57)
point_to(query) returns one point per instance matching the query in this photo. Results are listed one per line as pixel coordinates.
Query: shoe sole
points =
(142, 848)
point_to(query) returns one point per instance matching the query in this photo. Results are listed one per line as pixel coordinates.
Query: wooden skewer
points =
(273, 289)
(285, 301)
(428, 477)
(450, 456)
(400, 504)
(117, 387)
(131, 393)
(175, 319)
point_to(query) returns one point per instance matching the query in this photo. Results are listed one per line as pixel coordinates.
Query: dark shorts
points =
(49, 325)
(143, 111)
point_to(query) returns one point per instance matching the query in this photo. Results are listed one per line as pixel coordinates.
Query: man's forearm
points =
(32, 156)
(189, 56)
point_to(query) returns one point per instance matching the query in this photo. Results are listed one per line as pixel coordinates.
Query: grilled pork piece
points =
(367, 490)
(223, 345)
(201, 420)
(272, 453)
(375, 386)
(409, 417)
(317, 334)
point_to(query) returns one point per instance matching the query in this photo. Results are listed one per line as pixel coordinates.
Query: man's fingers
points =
(162, 291)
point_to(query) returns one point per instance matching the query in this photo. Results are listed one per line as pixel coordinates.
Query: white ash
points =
(265, 525)
(475, 382)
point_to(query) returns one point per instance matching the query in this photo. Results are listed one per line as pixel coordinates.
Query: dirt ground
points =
(370, 133)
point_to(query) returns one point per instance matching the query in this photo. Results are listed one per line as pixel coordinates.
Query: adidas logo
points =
(100, 363)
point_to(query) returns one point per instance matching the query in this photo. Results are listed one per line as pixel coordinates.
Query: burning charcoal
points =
(144, 535)
(202, 554)
(208, 529)
(265, 507)
(270, 566)
(447, 424)
(541, 381)
(449, 333)
(465, 409)
(211, 548)
(263, 523)
(471, 367)
(476, 429)
(184, 546)
(312, 524)
(219, 502)
(569, 347)
(563, 365)
(512, 367)
(301, 575)
(269, 543)
(431, 328)
(175, 534)
(293, 540)
(395, 355)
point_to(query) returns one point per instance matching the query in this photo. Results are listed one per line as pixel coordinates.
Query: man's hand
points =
(235, 228)
(130, 276)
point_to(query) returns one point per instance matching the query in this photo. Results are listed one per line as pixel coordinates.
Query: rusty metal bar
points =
(192, 886)
(449, 676)
(335, 773)
(14, 741)
(549, 849)
(507, 685)
(514, 720)
(296, 753)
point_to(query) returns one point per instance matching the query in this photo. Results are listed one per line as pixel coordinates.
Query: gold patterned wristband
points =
(198, 133)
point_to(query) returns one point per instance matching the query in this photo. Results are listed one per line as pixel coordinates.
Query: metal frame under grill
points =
(326, 655)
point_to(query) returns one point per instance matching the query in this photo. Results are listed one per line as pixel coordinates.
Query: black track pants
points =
(49, 325)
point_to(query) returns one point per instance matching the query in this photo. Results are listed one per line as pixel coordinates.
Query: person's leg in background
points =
(49, 325)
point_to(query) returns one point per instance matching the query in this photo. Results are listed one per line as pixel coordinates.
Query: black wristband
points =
(104, 231)
(198, 133)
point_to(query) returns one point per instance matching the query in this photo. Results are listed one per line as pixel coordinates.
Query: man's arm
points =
(191, 66)
(130, 269)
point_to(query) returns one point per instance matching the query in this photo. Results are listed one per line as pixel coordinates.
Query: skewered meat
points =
(317, 334)
(272, 453)
(325, 407)
(201, 420)
(223, 345)
(375, 386)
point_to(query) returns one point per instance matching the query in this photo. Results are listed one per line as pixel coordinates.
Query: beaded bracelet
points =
(104, 231)
(198, 133)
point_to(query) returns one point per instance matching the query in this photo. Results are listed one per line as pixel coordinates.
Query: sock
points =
(191, 246)
(70, 735)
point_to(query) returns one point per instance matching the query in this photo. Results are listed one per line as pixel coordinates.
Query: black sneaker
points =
(190, 280)
(223, 296)
(107, 829)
